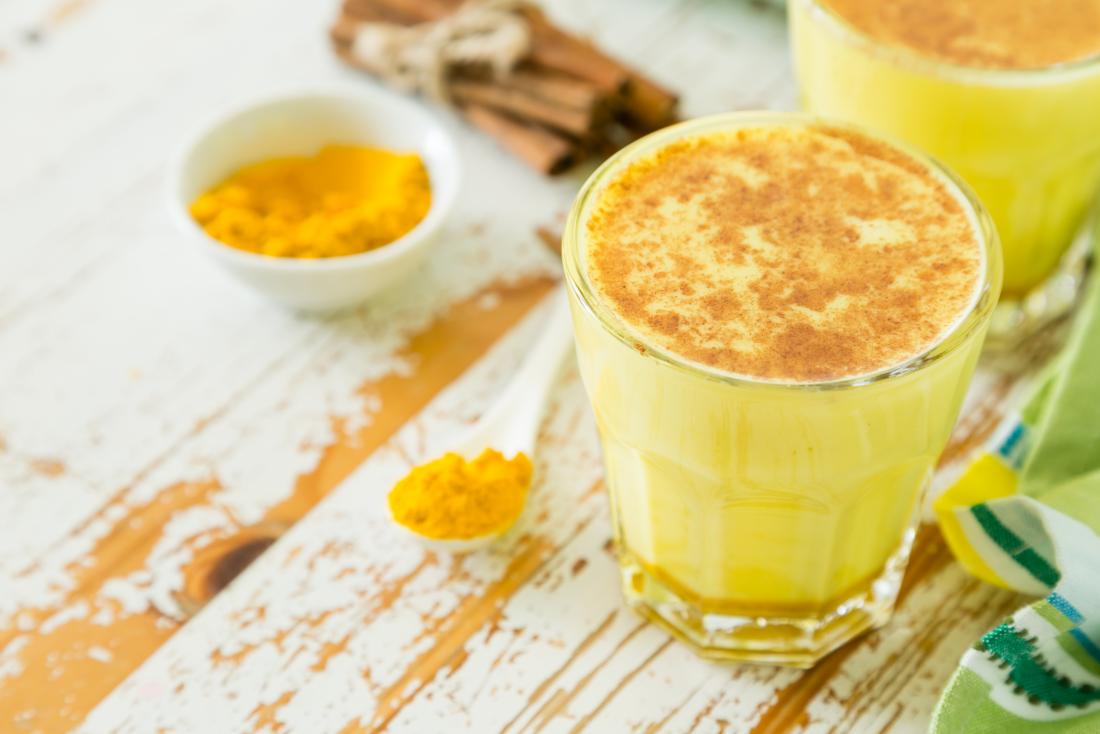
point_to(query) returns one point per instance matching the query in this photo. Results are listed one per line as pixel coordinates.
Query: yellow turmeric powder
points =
(345, 200)
(455, 499)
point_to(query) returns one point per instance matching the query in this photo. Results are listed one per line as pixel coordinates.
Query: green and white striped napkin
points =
(1026, 515)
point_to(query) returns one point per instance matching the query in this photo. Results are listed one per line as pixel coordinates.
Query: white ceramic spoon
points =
(511, 425)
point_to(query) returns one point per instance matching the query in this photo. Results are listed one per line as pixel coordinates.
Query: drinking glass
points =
(1026, 140)
(758, 520)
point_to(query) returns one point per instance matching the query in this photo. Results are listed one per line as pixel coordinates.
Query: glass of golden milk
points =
(776, 320)
(1005, 92)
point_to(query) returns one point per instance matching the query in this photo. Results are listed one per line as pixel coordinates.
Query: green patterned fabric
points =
(1038, 531)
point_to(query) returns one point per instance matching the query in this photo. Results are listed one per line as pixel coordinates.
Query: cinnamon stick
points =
(536, 104)
(406, 12)
(554, 49)
(540, 81)
(648, 106)
(369, 11)
(558, 88)
(541, 149)
(564, 97)
(518, 103)
(551, 48)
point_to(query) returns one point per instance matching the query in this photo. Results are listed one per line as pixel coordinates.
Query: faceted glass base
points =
(796, 641)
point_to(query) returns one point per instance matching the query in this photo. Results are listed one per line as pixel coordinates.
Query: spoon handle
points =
(514, 419)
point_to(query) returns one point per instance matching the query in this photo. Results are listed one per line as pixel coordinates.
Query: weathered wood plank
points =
(202, 423)
(526, 639)
(157, 550)
(76, 280)
(112, 333)
(662, 687)
(892, 677)
(157, 416)
(366, 607)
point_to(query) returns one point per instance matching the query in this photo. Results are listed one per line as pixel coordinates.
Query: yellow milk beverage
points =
(1006, 92)
(776, 319)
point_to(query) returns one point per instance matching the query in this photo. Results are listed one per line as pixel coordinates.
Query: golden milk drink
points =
(1005, 92)
(776, 320)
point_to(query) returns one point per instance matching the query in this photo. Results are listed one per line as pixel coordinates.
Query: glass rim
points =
(917, 61)
(576, 275)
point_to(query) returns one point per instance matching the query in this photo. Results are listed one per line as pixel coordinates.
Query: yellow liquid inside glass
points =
(1026, 140)
(762, 518)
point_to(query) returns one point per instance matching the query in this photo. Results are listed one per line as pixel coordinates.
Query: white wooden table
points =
(160, 427)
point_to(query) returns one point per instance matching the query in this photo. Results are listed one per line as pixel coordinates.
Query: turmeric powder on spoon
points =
(344, 200)
(458, 504)
(453, 498)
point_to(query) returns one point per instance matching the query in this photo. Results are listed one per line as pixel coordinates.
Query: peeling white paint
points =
(165, 343)
(79, 610)
(10, 666)
(141, 369)
(126, 594)
(316, 581)
(101, 654)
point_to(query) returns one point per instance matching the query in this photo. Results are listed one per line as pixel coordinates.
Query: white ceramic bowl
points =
(301, 124)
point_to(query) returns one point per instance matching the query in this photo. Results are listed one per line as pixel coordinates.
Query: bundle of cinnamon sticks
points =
(565, 99)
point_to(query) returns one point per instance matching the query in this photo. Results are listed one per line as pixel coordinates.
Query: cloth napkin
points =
(1025, 515)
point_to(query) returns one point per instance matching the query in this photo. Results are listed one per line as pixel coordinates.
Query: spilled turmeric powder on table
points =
(452, 498)
(345, 200)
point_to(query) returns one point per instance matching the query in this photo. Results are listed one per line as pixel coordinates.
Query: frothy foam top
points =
(784, 253)
(995, 34)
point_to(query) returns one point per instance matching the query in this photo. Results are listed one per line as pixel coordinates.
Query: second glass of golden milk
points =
(1006, 92)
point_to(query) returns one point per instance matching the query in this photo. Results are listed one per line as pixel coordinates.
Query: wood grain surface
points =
(191, 479)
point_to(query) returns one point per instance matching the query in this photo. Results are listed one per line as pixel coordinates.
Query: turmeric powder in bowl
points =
(344, 200)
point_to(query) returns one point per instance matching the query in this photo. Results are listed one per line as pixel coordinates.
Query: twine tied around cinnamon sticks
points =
(420, 58)
(547, 96)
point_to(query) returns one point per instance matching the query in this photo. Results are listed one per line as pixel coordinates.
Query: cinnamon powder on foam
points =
(784, 253)
(995, 34)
